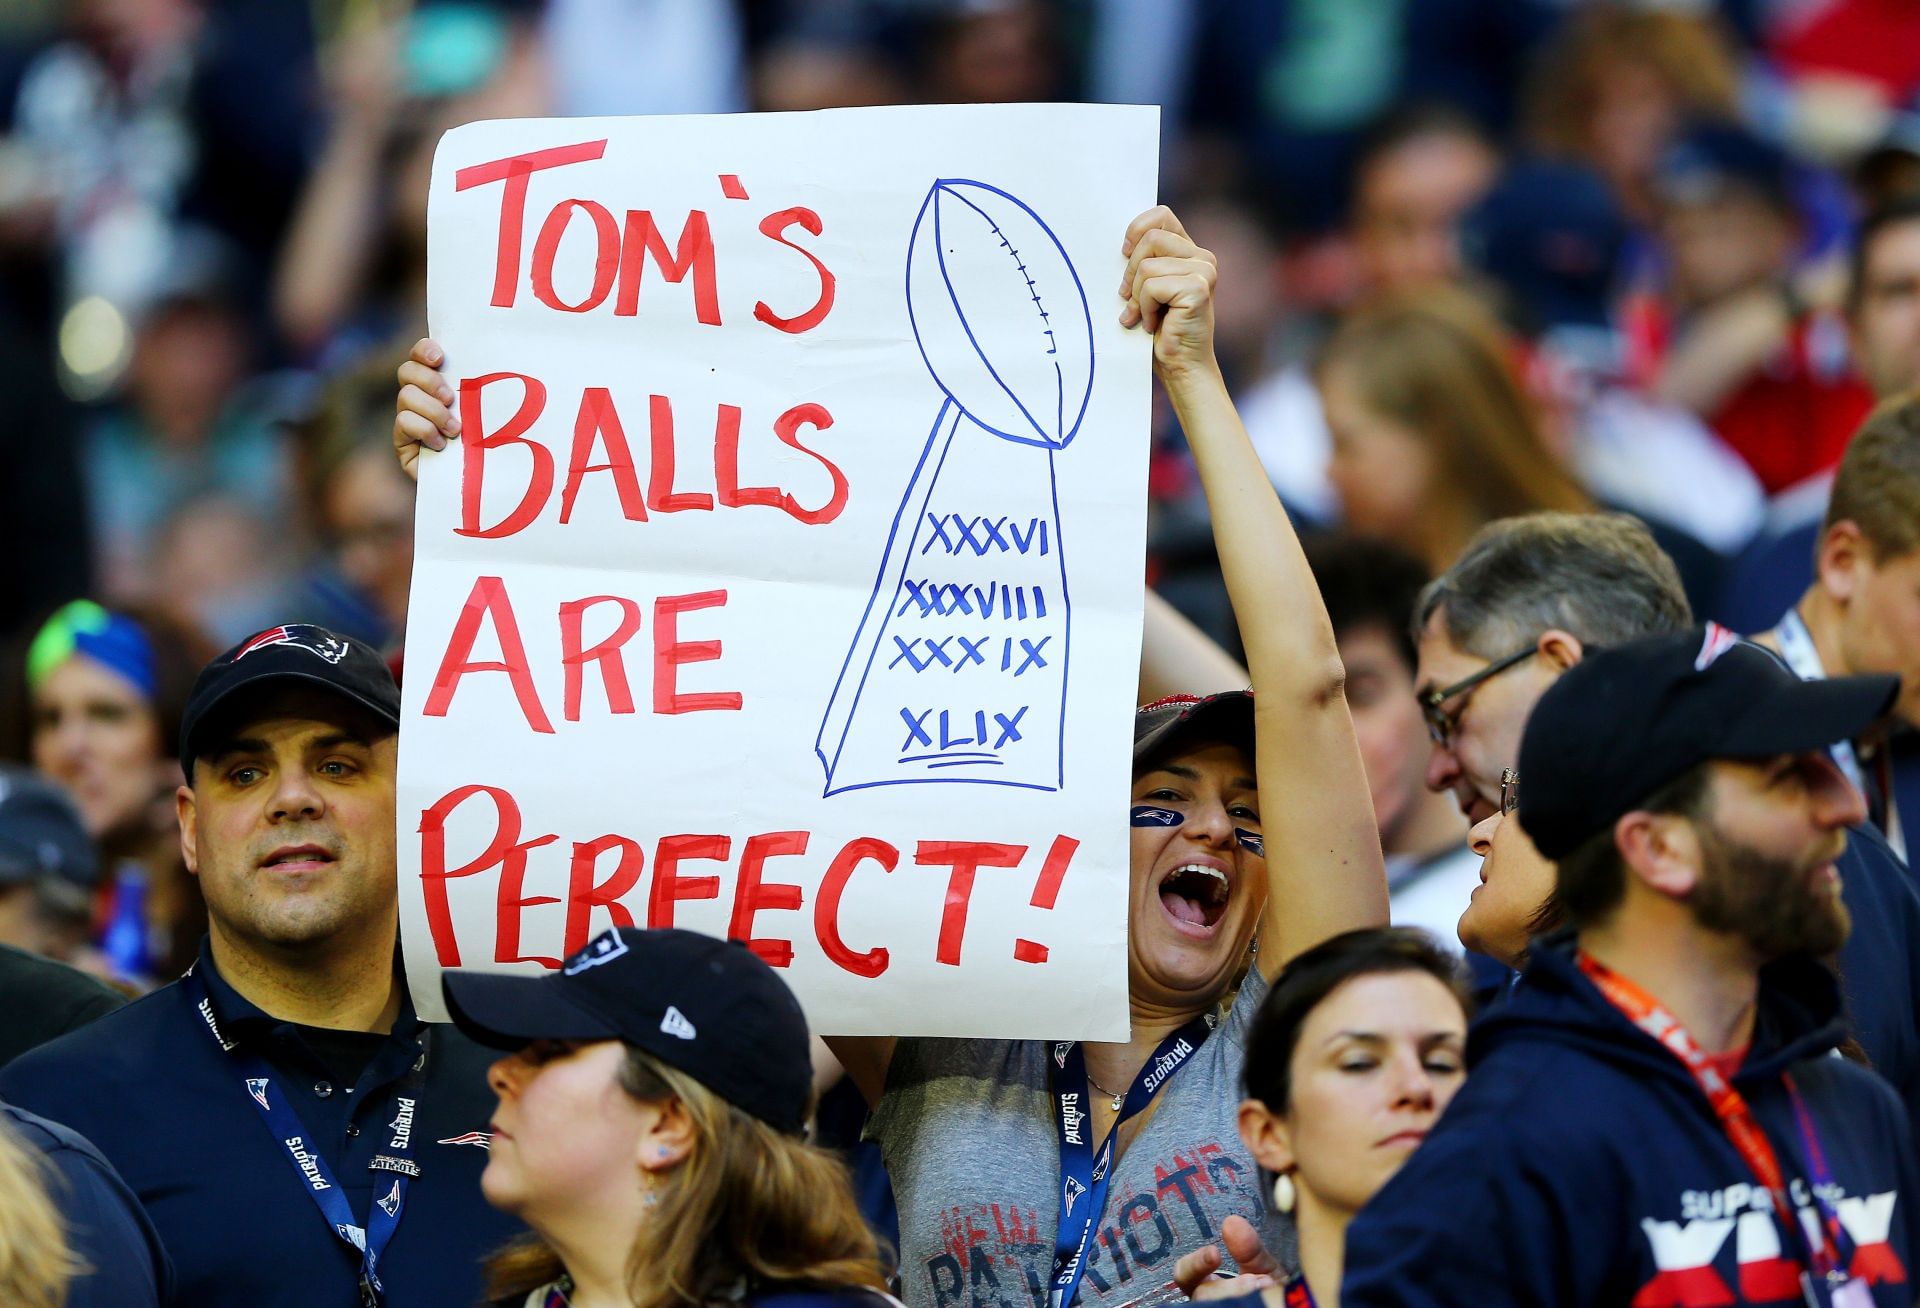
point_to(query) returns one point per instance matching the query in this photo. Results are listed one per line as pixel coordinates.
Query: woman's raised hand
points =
(423, 413)
(1168, 289)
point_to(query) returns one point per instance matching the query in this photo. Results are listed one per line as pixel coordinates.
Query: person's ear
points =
(1560, 648)
(1661, 850)
(667, 1136)
(1842, 560)
(1266, 1136)
(189, 815)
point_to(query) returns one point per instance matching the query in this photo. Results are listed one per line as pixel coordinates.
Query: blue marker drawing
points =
(958, 669)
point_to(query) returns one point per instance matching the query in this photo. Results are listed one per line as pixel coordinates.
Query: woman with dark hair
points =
(103, 689)
(1352, 1058)
(651, 1129)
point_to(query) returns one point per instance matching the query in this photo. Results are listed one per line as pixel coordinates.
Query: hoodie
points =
(1581, 1164)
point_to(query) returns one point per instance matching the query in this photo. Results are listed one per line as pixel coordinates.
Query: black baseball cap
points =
(710, 1008)
(1625, 721)
(42, 838)
(1226, 716)
(295, 652)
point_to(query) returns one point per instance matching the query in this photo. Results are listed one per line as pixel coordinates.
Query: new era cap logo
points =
(603, 948)
(1718, 641)
(675, 1024)
(314, 640)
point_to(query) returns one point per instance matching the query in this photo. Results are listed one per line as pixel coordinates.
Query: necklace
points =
(1118, 1099)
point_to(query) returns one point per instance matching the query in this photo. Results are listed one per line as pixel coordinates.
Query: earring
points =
(1283, 1192)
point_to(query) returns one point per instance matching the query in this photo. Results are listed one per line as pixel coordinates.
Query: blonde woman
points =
(649, 1132)
(1434, 434)
(71, 1232)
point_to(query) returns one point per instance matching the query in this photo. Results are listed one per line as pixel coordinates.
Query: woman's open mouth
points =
(1195, 896)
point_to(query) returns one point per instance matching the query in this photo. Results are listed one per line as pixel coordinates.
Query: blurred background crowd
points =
(1485, 257)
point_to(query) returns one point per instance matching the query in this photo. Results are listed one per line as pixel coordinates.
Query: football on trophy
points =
(999, 313)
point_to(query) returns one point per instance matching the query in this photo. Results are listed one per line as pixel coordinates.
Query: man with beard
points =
(1653, 1115)
(296, 1133)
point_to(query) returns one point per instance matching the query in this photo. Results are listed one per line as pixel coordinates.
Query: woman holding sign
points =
(1070, 1170)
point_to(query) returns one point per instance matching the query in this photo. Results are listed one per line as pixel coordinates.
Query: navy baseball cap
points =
(1625, 721)
(710, 1008)
(41, 835)
(1225, 716)
(295, 652)
(1709, 159)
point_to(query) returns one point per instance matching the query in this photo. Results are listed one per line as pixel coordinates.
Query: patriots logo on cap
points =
(603, 948)
(314, 640)
(1718, 641)
(257, 1087)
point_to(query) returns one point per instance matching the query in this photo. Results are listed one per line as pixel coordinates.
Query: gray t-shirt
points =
(967, 1130)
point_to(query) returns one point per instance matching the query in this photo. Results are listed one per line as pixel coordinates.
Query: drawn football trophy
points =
(958, 669)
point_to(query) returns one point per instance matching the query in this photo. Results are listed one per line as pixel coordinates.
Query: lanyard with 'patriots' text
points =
(1828, 1260)
(316, 1178)
(1083, 1174)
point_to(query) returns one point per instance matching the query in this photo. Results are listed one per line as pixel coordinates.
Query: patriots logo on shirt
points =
(314, 640)
(257, 1087)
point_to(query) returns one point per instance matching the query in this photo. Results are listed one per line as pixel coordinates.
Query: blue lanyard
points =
(1083, 1175)
(316, 1178)
(1838, 1255)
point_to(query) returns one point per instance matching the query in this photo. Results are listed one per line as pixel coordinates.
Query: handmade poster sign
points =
(785, 580)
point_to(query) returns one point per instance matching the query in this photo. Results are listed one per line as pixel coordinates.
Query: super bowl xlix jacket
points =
(1581, 1164)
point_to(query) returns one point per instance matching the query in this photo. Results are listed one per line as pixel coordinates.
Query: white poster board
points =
(785, 582)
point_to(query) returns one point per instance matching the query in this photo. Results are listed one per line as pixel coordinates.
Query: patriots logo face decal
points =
(480, 1138)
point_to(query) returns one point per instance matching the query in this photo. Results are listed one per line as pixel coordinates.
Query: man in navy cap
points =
(1654, 1115)
(297, 1134)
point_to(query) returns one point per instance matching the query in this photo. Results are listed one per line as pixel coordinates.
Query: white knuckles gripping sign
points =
(784, 582)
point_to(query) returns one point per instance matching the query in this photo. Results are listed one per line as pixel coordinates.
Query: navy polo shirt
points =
(152, 1088)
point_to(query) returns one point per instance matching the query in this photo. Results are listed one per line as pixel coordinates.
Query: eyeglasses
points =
(1440, 724)
(1509, 791)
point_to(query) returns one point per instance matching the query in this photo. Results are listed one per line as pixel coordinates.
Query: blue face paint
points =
(1251, 841)
(1145, 815)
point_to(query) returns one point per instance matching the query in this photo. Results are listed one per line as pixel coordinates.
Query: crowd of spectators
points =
(1490, 258)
